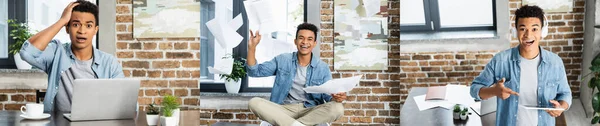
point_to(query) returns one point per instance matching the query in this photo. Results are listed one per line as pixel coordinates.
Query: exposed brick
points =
(139, 73)
(184, 83)
(154, 83)
(163, 92)
(181, 92)
(165, 64)
(179, 55)
(149, 55)
(136, 64)
(124, 18)
(17, 98)
(191, 101)
(13, 106)
(181, 45)
(151, 92)
(3, 97)
(222, 116)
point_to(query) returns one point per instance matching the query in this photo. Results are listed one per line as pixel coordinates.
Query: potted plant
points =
(170, 116)
(594, 84)
(456, 111)
(234, 79)
(152, 114)
(19, 33)
(464, 113)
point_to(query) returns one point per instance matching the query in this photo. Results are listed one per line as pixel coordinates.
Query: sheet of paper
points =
(335, 85)
(222, 66)
(236, 22)
(263, 10)
(459, 94)
(424, 105)
(225, 35)
(372, 7)
(253, 22)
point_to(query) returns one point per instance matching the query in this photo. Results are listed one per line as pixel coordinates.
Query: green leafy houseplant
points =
(594, 84)
(238, 71)
(20, 33)
(152, 110)
(169, 104)
(457, 108)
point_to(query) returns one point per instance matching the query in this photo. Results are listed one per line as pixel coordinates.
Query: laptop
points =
(103, 99)
(485, 107)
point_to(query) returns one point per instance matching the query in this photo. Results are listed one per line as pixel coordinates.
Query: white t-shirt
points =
(528, 91)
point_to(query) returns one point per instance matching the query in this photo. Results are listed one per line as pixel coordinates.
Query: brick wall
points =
(11, 99)
(374, 102)
(437, 68)
(165, 65)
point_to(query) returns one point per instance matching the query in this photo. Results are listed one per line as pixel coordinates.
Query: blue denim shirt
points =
(284, 67)
(552, 84)
(58, 57)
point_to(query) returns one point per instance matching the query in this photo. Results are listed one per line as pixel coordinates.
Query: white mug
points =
(33, 110)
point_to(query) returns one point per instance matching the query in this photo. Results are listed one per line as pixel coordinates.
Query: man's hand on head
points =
(339, 97)
(66, 15)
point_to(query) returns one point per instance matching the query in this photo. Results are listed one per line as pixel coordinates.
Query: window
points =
(275, 43)
(15, 11)
(3, 29)
(447, 15)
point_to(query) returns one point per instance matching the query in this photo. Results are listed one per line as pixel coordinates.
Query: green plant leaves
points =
(169, 104)
(20, 33)
(595, 119)
(596, 102)
(238, 72)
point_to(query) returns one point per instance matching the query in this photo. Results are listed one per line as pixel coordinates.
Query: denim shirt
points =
(284, 67)
(552, 84)
(58, 57)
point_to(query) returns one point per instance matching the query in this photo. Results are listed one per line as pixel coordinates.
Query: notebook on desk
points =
(436, 93)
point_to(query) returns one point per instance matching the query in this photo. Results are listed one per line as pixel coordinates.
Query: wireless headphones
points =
(513, 30)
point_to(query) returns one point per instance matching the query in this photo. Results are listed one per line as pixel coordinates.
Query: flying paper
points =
(372, 7)
(225, 33)
(222, 66)
(335, 85)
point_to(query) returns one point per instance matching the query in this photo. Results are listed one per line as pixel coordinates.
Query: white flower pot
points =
(233, 87)
(168, 121)
(152, 119)
(21, 64)
(176, 116)
(463, 116)
(456, 115)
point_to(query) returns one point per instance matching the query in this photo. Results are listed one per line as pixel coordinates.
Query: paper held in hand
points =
(335, 85)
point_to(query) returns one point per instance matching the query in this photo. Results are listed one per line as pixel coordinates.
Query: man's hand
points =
(254, 40)
(555, 113)
(503, 92)
(339, 97)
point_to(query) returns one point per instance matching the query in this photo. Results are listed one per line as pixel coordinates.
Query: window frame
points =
(433, 24)
(17, 9)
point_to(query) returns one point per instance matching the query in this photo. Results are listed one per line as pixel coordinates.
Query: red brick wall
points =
(165, 65)
(374, 102)
(11, 99)
(437, 68)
